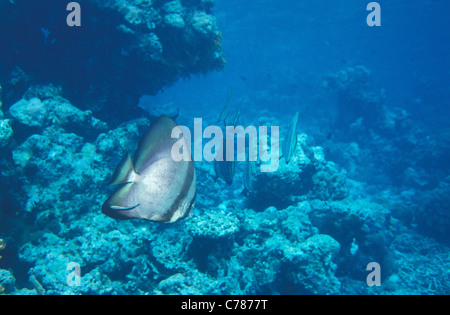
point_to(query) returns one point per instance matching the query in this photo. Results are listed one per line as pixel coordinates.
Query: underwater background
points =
(369, 180)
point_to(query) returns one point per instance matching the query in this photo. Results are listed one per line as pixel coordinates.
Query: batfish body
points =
(155, 187)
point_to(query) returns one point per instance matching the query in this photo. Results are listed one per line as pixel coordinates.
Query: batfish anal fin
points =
(123, 171)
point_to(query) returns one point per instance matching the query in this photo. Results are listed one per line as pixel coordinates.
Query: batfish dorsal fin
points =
(158, 137)
(122, 173)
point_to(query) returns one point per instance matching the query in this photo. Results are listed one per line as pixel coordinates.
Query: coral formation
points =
(231, 249)
(367, 182)
(310, 236)
(307, 174)
(432, 215)
(56, 112)
(1, 112)
(126, 48)
(357, 100)
(2, 246)
(3, 277)
(6, 133)
(386, 140)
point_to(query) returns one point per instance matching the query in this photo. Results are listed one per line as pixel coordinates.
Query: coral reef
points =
(62, 161)
(372, 135)
(356, 98)
(307, 174)
(390, 148)
(6, 133)
(432, 215)
(122, 50)
(223, 249)
(56, 112)
(2, 246)
(318, 241)
(4, 277)
(1, 112)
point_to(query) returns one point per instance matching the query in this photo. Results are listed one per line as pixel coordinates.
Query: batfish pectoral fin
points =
(117, 202)
(123, 171)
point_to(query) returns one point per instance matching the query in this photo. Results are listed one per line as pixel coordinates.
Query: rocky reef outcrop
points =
(432, 215)
(308, 174)
(392, 149)
(122, 50)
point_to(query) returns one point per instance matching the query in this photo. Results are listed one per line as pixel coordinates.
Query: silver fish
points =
(247, 175)
(290, 141)
(225, 169)
(236, 118)
(226, 108)
(154, 187)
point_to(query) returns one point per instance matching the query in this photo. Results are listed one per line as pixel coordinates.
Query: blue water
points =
(407, 54)
(370, 180)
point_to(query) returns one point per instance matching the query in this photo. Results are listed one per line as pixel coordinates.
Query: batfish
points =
(290, 141)
(154, 186)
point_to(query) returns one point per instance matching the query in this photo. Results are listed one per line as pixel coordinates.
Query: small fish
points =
(290, 141)
(174, 117)
(236, 118)
(225, 170)
(226, 108)
(153, 186)
(37, 285)
(46, 32)
(247, 176)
